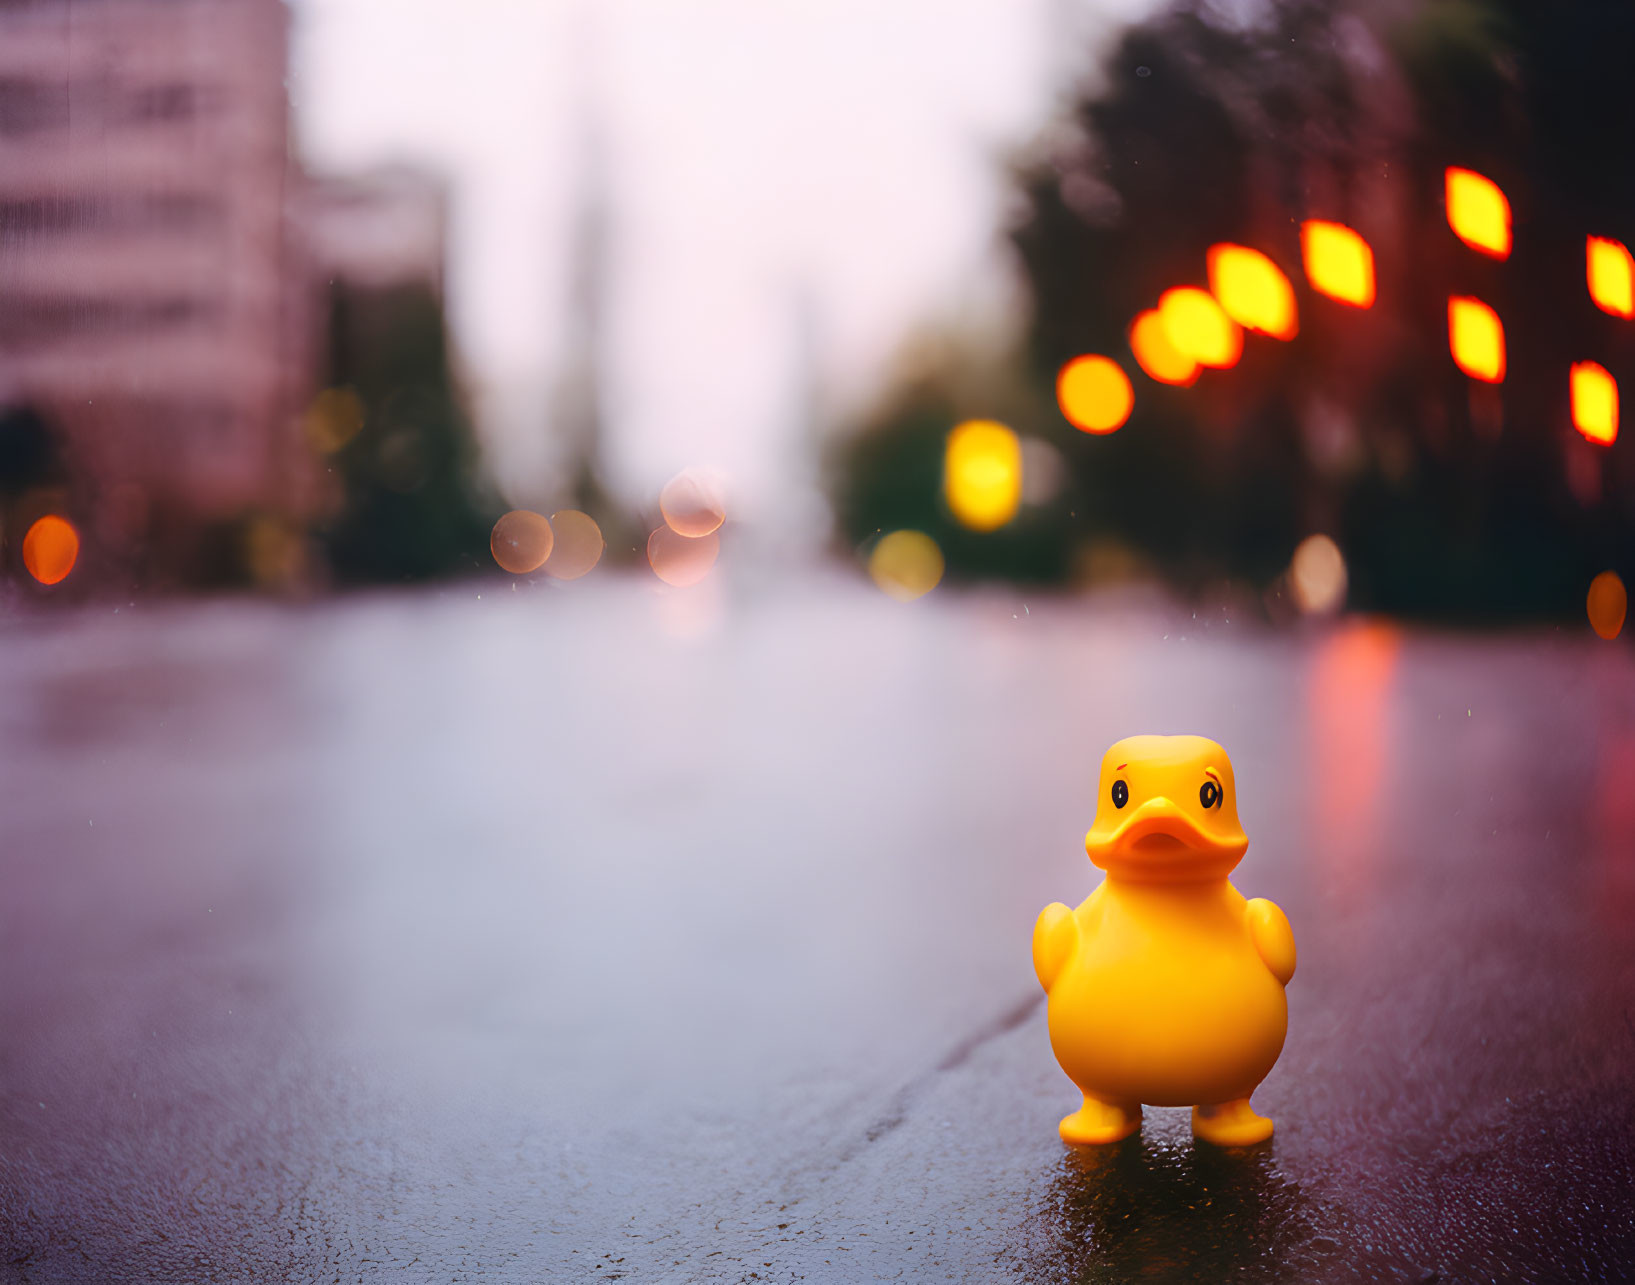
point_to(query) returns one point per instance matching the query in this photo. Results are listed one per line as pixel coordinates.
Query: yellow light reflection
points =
(1478, 212)
(906, 565)
(1198, 327)
(50, 549)
(1595, 402)
(692, 504)
(982, 474)
(1253, 290)
(1094, 394)
(333, 419)
(1607, 603)
(1339, 263)
(521, 541)
(1611, 274)
(1476, 339)
(1157, 356)
(681, 560)
(576, 546)
(1317, 575)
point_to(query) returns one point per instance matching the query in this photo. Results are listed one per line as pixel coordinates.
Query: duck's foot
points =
(1230, 1124)
(1098, 1122)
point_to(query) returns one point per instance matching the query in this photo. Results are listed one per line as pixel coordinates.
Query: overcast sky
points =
(794, 186)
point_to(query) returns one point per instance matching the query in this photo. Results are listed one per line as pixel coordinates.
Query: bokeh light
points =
(1607, 603)
(1478, 212)
(1476, 339)
(982, 474)
(576, 544)
(50, 549)
(1317, 575)
(1595, 402)
(274, 551)
(1094, 394)
(1611, 274)
(334, 419)
(1157, 356)
(681, 560)
(1198, 327)
(1253, 290)
(692, 504)
(521, 541)
(906, 565)
(1338, 262)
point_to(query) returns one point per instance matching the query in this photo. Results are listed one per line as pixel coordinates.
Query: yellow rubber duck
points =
(1166, 985)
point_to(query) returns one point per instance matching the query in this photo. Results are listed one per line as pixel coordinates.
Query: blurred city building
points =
(156, 338)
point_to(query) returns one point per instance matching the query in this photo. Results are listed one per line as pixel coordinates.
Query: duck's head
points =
(1167, 811)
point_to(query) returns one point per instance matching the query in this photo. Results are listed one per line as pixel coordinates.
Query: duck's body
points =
(1166, 1000)
(1165, 984)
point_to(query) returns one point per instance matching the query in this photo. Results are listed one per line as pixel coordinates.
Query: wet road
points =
(587, 933)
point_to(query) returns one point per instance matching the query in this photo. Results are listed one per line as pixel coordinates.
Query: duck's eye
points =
(1121, 794)
(1210, 795)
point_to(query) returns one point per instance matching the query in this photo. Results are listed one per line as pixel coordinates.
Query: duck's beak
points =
(1162, 839)
(1158, 826)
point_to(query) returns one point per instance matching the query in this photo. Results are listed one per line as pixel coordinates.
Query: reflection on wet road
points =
(589, 933)
(1172, 1210)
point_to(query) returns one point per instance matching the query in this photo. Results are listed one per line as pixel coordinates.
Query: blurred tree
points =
(409, 504)
(889, 476)
(1447, 497)
(578, 416)
(30, 453)
(895, 483)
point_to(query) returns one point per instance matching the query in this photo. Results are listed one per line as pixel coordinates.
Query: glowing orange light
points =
(1607, 604)
(521, 541)
(1611, 273)
(691, 503)
(982, 474)
(50, 549)
(1338, 262)
(1156, 355)
(1478, 212)
(906, 565)
(576, 546)
(1595, 402)
(681, 560)
(1253, 290)
(1476, 339)
(1094, 394)
(1197, 327)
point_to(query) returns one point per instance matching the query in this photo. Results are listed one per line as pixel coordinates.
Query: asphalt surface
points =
(591, 932)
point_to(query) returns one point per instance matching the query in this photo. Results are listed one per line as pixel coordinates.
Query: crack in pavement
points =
(903, 1100)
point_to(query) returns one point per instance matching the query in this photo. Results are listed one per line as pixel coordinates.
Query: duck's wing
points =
(1055, 934)
(1273, 938)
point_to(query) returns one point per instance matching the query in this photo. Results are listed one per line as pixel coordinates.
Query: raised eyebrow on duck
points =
(1121, 767)
(1210, 772)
